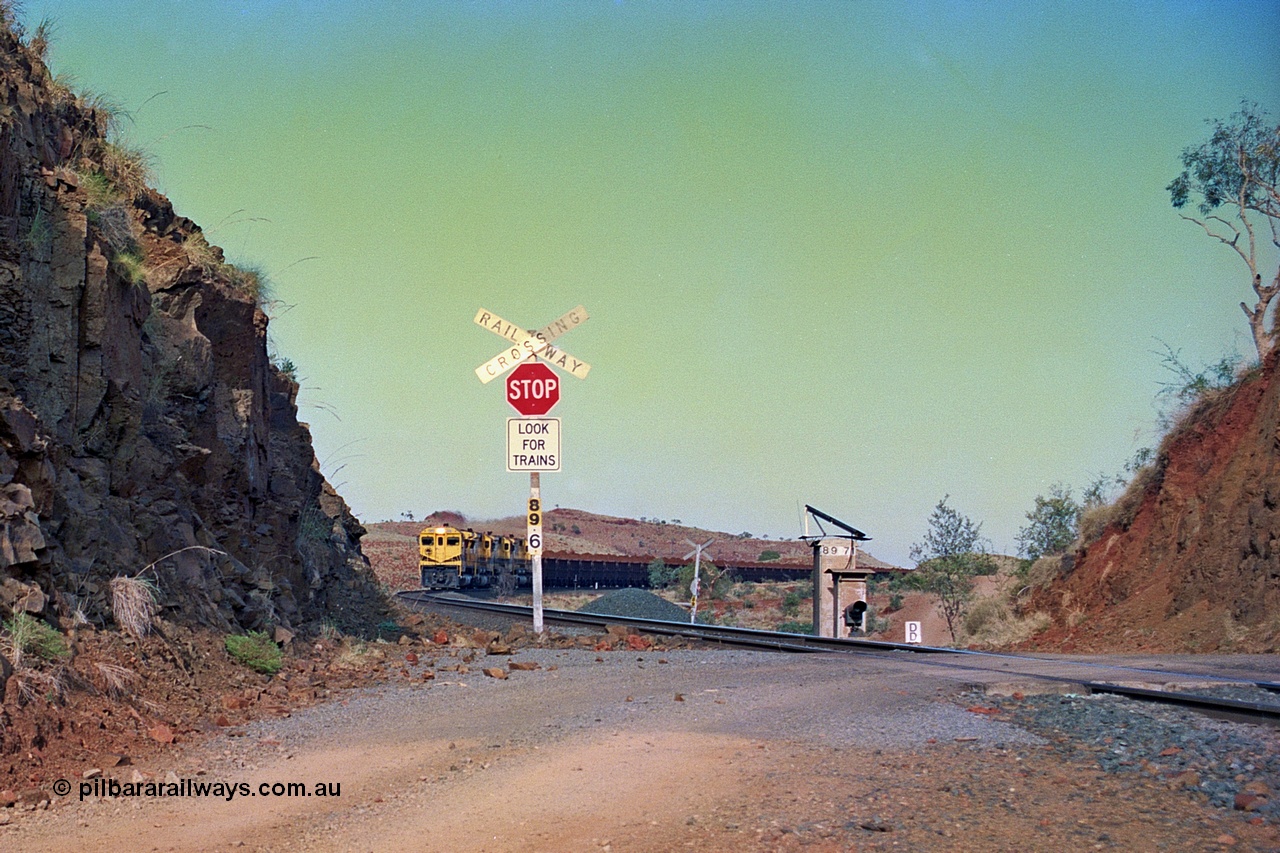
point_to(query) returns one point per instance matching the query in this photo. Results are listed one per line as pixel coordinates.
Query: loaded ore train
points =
(449, 558)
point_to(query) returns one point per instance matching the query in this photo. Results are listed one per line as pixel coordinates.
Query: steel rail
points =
(777, 641)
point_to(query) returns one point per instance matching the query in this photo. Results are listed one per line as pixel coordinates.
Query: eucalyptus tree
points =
(1232, 178)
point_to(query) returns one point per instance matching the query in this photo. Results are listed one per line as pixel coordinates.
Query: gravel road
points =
(707, 750)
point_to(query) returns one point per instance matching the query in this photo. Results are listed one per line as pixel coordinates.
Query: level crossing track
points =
(1086, 674)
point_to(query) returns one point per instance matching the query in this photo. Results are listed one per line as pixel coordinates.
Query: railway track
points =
(1086, 674)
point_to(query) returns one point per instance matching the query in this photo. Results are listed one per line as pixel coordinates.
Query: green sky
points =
(856, 254)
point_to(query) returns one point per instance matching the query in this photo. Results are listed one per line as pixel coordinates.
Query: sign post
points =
(534, 531)
(533, 389)
(696, 553)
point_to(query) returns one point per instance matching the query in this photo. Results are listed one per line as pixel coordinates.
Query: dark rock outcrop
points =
(142, 424)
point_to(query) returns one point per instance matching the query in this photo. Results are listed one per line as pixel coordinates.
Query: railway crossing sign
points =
(533, 389)
(531, 344)
(533, 443)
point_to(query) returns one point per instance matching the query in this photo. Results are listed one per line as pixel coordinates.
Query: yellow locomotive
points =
(449, 558)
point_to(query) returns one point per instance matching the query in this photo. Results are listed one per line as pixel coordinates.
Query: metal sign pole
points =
(696, 553)
(535, 545)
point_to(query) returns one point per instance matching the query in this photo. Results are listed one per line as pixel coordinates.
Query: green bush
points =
(255, 650)
(660, 574)
(791, 603)
(796, 627)
(29, 635)
(769, 556)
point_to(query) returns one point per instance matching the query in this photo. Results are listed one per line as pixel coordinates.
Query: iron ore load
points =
(449, 558)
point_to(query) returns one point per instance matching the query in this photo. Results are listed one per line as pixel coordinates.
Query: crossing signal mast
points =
(839, 585)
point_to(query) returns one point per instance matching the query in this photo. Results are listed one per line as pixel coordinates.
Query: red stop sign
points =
(533, 388)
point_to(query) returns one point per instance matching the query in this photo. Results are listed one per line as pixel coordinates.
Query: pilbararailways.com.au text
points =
(105, 787)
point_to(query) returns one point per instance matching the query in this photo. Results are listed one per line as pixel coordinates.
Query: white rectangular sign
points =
(533, 444)
(912, 632)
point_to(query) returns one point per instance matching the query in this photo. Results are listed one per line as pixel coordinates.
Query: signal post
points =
(839, 583)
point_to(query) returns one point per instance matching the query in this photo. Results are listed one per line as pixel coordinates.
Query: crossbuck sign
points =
(531, 344)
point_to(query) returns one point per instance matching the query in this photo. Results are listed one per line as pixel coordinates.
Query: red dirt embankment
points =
(1197, 566)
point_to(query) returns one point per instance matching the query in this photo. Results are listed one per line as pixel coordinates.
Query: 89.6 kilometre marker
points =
(533, 444)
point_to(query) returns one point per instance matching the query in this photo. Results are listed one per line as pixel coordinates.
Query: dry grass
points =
(131, 266)
(40, 40)
(1044, 571)
(133, 604)
(35, 684)
(200, 253)
(1011, 630)
(358, 654)
(118, 682)
(129, 169)
(116, 226)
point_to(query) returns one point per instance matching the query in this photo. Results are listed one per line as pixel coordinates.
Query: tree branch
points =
(1233, 242)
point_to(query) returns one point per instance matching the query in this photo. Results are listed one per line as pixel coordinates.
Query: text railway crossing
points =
(526, 344)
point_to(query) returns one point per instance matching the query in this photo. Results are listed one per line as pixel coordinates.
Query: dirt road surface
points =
(681, 750)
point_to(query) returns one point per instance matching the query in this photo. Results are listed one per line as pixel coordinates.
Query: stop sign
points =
(533, 388)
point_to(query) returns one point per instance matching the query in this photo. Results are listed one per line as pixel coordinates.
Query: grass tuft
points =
(131, 266)
(129, 169)
(119, 682)
(27, 635)
(133, 603)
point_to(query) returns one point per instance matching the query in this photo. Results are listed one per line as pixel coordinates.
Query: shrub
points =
(873, 624)
(29, 635)
(1051, 525)
(255, 650)
(769, 556)
(660, 574)
(791, 604)
(796, 627)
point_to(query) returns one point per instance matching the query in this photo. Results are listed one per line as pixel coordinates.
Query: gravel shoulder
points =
(706, 750)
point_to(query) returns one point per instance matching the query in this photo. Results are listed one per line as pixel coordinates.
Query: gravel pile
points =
(635, 604)
(1229, 765)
